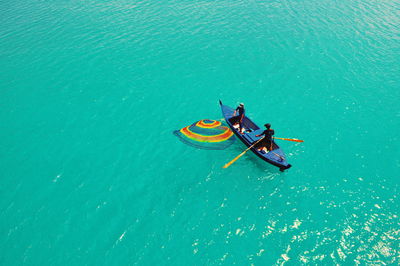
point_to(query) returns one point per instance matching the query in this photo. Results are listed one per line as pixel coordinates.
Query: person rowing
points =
(267, 140)
(237, 119)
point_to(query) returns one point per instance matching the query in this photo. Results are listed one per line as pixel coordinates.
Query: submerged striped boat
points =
(275, 156)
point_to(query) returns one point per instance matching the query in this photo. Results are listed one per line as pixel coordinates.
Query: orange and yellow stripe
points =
(202, 138)
(203, 124)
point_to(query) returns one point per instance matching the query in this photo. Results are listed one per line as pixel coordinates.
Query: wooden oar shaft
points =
(278, 155)
(240, 155)
(296, 140)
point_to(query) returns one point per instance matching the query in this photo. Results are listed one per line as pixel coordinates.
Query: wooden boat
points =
(275, 156)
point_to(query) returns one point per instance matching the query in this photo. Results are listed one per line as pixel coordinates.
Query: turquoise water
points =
(91, 174)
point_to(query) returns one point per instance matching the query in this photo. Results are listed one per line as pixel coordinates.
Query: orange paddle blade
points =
(296, 140)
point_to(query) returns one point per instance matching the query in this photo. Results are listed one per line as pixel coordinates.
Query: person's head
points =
(241, 104)
(268, 126)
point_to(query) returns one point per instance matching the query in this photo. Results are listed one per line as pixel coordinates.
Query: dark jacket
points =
(240, 111)
(268, 133)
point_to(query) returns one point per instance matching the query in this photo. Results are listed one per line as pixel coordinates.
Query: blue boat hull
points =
(275, 157)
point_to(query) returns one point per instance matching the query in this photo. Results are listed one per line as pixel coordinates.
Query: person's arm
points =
(262, 134)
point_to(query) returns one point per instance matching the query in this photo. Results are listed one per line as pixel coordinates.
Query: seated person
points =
(266, 142)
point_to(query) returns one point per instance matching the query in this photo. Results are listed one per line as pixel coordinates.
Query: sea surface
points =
(91, 91)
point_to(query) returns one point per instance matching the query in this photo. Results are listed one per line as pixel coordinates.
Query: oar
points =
(278, 155)
(240, 155)
(296, 140)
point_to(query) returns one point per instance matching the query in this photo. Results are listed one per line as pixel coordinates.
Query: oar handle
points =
(282, 158)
